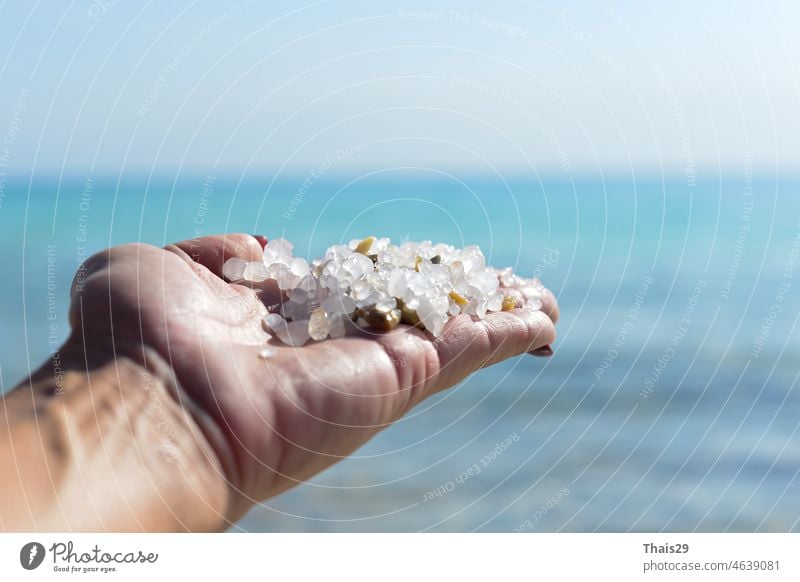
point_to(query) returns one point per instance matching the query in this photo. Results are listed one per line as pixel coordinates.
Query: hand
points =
(273, 423)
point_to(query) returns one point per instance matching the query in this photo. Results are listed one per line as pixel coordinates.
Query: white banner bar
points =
(401, 557)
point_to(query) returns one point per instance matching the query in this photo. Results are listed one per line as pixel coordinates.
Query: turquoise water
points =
(671, 402)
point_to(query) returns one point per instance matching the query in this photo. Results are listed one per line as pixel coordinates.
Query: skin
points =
(161, 415)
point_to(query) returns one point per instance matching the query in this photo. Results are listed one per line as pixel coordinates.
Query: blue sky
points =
(246, 87)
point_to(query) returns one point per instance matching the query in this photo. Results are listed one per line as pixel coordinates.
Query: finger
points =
(466, 345)
(213, 251)
(550, 305)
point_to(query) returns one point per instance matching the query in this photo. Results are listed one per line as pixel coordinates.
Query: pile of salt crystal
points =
(378, 284)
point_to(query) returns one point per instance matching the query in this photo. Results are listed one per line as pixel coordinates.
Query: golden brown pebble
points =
(458, 298)
(365, 244)
(416, 264)
(383, 320)
(408, 316)
(509, 303)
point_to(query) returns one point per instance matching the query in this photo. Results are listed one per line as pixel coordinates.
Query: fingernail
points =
(544, 352)
(262, 240)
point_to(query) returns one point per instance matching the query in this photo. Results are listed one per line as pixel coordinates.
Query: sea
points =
(671, 402)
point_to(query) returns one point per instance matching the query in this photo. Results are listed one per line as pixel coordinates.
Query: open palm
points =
(275, 422)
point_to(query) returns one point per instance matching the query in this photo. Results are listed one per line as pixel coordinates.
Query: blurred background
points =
(641, 159)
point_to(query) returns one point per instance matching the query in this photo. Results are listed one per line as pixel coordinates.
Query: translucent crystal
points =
(533, 305)
(285, 278)
(255, 271)
(280, 246)
(477, 308)
(318, 325)
(293, 333)
(484, 281)
(433, 314)
(357, 265)
(299, 266)
(495, 302)
(273, 321)
(360, 290)
(336, 323)
(233, 269)
(341, 304)
(397, 283)
(386, 304)
(298, 295)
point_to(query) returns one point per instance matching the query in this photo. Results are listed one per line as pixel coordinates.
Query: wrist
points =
(110, 443)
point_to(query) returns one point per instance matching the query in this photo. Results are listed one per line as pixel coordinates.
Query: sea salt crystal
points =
(397, 283)
(336, 323)
(285, 278)
(533, 305)
(233, 269)
(255, 272)
(431, 317)
(386, 304)
(360, 290)
(273, 321)
(293, 333)
(338, 304)
(495, 302)
(318, 326)
(357, 265)
(486, 282)
(431, 283)
(299, 267)
(280, 246)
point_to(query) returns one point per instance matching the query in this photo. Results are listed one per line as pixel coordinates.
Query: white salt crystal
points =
(310, 285)
(358, 265)
(477, 307)
(431, 317)
(386, 304)
(495, 302)
(299, 266)
(360, 290)
(336, 323)
(298, 295)
(294, 333)
(233, 269)
(255, 271)
(337, 303)
(397, 283)
(410, 299)
(280, 246)
(531, 292)
(533, 305)
(293, 310)
(486, 282)
(427, 314)
(273, 321)
(284, 276)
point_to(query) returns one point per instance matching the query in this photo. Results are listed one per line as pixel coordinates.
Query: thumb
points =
(213, 251)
